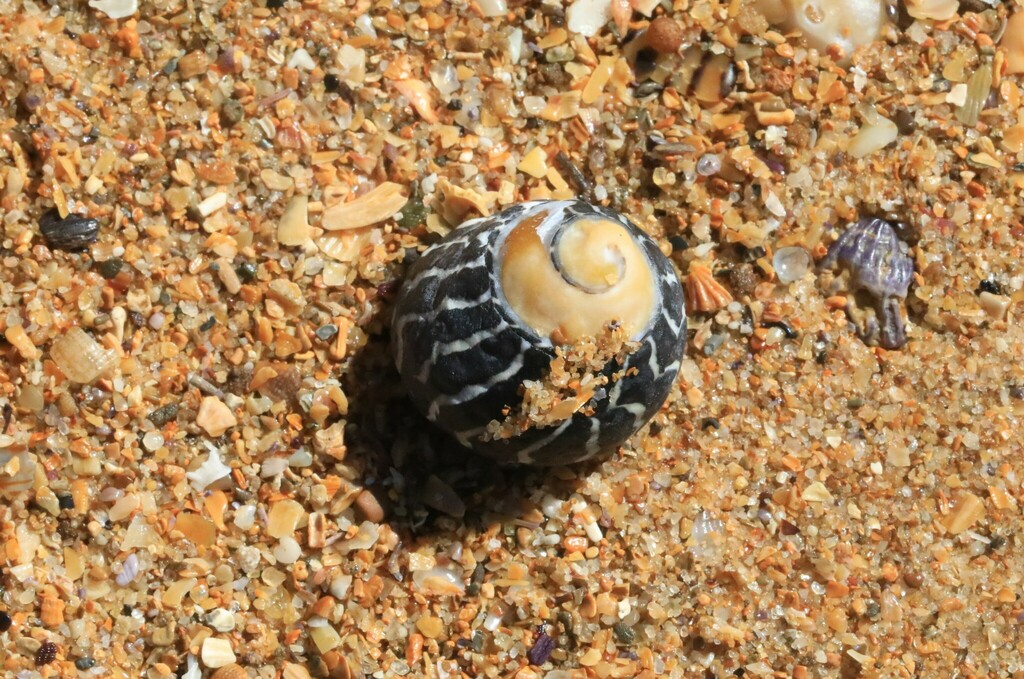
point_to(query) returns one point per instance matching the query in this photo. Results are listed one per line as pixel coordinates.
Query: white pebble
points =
(152, 440)
(221, 620)
(217, 652)
(287, 550)
(245, 516)
(116, 9)
(493, 8)
(301, 59)
(586, 17)
(791, 264)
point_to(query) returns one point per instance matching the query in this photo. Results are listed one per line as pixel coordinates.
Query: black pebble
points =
(85, 664)
(47, 653)
(208, 323)
(65, 501)
(678, 243)
(246, 271)
(111, 267)
(710, 423)
(905, 123)
(990, 286)
(5, 622)
(331, 82)
(275, 4)
(70, 233)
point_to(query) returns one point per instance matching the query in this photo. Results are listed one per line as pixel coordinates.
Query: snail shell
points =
(476, 315)
(872, 263)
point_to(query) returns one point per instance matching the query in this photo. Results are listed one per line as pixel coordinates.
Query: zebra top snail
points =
(545, 334)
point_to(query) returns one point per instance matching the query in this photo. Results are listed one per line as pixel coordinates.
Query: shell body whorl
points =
(464, 351)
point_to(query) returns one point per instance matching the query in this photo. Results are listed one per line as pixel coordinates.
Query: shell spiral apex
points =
(545, 334)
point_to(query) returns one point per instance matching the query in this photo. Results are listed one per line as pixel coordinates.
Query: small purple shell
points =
(875, 257)
(878, 267)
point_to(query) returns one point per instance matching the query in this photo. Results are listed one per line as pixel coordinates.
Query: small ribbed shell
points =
(875, 257)
(81, 358)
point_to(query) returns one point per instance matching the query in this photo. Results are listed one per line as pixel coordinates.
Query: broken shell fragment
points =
(381, 203)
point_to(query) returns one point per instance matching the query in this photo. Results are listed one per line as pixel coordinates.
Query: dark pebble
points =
(647, 88)
(326, 332)
(478, 641)
(854, 403)
(913, 579)
(541, 649)
(990, 286)
(413, 214)
(455, 105)
(905, 123)
(784, 327)
(66, 501)
(575, 176)
(246, 271)
(163, 414)
(231, 113)
(5, 622)
(67, 529)
(872, 609)
(208, 324)
(743, 279)
(996, 542)
(71, 233)
(624, 633)
(47, 653)
(111, 267)
(275, 4)
(85, 663)
(710, 423)
(678, 243)
(332, 82)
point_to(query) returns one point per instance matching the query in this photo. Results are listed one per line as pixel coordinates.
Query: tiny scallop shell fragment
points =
(871, 263)
(491, 309)
(703, 292)
(81, 358)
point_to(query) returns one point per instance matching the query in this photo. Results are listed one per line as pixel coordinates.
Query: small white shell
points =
(80, 357)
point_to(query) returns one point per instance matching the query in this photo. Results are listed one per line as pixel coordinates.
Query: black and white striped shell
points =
(463, 350)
